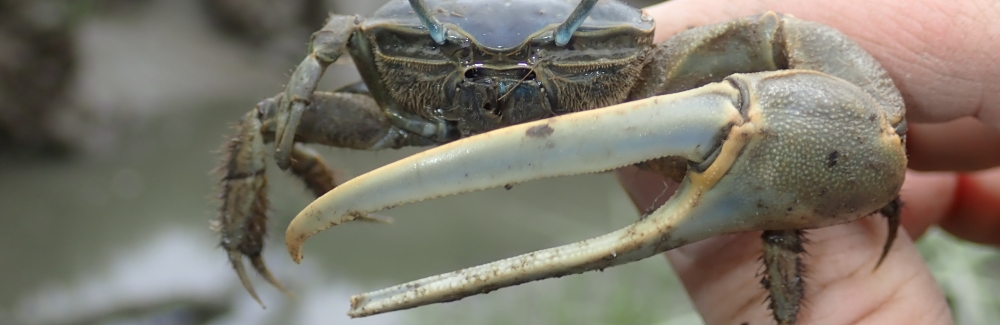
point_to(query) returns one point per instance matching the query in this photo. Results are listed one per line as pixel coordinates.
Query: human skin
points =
(945, 58)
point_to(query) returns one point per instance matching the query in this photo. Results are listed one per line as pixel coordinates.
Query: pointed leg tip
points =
(258, 264)
(282, 151)
(282, 158)
(259, 302)
(885, 248)
(236, 259)
(891, 212)
(879, 263)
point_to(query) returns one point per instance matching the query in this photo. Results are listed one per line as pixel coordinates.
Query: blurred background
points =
(111, 112)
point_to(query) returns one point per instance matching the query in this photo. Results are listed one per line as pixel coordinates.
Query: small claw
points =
(236, 259)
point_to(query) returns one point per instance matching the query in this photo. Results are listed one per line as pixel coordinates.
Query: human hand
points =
(945, 58)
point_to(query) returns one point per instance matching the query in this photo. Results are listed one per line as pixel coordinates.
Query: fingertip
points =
(927, 199)
(942, 76)
(646, 189)
(965, 144)
(976, 212)
(966, 205)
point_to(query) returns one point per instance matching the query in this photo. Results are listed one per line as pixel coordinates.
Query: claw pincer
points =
(758, 147)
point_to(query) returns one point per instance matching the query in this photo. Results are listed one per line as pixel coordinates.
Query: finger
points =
(927, 199)
(943, 55)
(647, 190)
(965, 144)
(718, 272)
(975, 214)
(966, 205)
(841, 288)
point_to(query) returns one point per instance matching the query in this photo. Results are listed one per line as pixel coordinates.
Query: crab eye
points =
(472, 73)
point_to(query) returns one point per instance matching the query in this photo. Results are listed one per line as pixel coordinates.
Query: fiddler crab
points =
(768, 122)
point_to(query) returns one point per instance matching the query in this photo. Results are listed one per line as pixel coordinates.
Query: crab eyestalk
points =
(565, 30)
(434, 26)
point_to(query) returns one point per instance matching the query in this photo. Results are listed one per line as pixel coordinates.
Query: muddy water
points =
(120, 233)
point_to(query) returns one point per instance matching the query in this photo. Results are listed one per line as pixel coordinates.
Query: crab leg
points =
(341, 119)
(326, 46)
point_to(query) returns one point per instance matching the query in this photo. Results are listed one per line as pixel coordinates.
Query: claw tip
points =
(296, 252)
(294, 238)
(356, 302)
(258, 264)
(236, 259)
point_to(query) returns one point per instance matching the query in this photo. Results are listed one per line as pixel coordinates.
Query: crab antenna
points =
(434, 26)
(576, 18)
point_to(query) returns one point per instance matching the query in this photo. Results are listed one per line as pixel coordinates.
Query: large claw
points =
(592, 141)
(776, 150)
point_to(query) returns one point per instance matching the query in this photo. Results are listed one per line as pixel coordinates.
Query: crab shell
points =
(500, 67)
